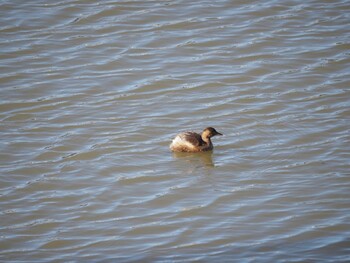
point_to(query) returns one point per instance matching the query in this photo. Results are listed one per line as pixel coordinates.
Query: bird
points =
(193, 142)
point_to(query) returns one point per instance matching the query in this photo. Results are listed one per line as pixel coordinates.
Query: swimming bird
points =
(194, 142)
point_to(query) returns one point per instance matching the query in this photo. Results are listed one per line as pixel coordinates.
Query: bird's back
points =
(187, 142)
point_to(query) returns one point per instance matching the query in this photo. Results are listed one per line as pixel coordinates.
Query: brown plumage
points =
(194, 142)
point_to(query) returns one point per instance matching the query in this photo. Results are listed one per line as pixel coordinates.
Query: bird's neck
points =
(208, 144)
(207, 140)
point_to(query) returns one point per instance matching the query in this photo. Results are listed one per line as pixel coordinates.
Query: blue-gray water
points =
(92, 92)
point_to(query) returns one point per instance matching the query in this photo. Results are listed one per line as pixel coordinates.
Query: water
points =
(93, 92)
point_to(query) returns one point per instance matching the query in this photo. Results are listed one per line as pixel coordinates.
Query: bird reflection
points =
(202, 158)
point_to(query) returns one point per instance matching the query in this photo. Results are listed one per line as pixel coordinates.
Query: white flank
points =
(179, 142)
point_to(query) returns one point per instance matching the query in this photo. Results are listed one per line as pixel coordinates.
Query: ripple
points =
(93, 93)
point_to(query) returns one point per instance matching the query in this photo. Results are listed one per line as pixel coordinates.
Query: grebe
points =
(194, 142)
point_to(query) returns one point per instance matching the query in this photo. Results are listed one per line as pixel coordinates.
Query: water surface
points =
(93, 92)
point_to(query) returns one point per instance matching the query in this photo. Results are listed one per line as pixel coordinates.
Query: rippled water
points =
(92, 93)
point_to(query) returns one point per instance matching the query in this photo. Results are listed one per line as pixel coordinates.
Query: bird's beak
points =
(218, 133)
